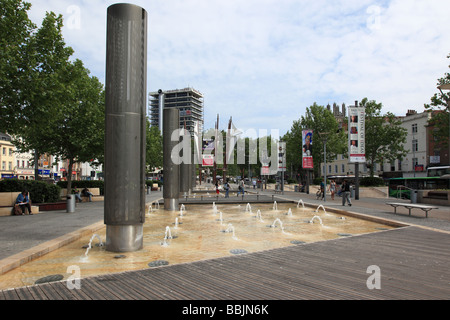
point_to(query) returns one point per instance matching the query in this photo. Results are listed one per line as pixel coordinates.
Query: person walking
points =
(332, 189)
(226, 186)
(241, 187)
(346, 193)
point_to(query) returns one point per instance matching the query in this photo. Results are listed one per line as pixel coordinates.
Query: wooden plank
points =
(37, 293)
(11, 294)
(91, 288)
(413, 264)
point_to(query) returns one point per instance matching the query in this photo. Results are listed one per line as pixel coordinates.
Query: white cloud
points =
(265, 62)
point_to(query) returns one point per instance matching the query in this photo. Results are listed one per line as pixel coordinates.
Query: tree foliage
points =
(154, 149)
(385, 138)
(49, 101)
(15, 33)
(441, 120)
(325, 130)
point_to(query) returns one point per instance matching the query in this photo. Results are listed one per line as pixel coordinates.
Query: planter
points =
(52, 206)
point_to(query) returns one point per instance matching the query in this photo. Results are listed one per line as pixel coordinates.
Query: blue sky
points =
(263, 62)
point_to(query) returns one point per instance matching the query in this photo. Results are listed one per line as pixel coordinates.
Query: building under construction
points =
(188, 100)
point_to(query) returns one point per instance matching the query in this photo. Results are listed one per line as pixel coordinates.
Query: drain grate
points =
(297, 242)
(238, 251)
(51, 278)
(158, 263)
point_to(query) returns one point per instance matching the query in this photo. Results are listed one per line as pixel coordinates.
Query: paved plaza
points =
(414, 259)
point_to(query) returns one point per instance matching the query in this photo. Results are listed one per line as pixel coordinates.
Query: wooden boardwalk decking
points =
(413, 263)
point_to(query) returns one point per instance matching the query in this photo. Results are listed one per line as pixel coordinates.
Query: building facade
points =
(6, 156)
(424, 150)
(20, 165)
(188, 100)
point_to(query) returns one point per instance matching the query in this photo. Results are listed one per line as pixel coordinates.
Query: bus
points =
(443, 171)
(401, 187)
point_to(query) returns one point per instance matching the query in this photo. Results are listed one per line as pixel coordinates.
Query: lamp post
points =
(325, 134)
(446, 87)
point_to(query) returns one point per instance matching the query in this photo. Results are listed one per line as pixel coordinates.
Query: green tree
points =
(325, 130)
(78, 128)
(15, 33)
(42, 90)
(385, 138)
(441, 120)
(154, 148)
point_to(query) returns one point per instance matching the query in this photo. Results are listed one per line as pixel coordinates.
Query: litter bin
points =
(352, 192)
(413, 196)
(70, 203)
(296, 188)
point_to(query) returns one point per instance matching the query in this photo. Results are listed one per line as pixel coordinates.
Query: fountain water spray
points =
(318, 218)
(320, 206)
(273, 225)
(182, 209)
(258, 215)
(167, 235)
(275, 206)
(248, 208)
(230, 228)
(220, 218)
(100, 243)
(176, 223)
(289, 213)
(303, 205)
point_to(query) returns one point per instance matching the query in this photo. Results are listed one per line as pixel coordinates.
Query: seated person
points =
(87, 193)
(24, 201)
(77, 194)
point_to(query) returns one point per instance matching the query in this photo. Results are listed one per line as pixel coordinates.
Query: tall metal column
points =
(171, 191)
(185, 170)
(125, 113)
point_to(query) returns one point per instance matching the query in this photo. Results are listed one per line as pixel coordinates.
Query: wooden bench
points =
(410, 206)
(7, 201)
(95, 194)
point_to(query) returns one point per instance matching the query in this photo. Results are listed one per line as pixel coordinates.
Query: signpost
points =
(357, 140)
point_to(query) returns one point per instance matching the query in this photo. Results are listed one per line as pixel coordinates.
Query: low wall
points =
(424, 197)
(95, 194)
(7, 200)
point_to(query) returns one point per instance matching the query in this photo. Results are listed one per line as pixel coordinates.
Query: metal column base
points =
(171, 204)
(124, 238)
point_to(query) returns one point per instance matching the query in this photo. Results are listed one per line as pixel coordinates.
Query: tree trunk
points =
(69, 177)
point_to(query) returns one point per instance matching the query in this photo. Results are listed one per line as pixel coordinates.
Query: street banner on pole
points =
(307, 149)
(356, 134)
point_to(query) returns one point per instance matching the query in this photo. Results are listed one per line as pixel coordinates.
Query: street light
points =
(446, 87)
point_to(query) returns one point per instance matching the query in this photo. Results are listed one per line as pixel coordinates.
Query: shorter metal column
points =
(171, 122)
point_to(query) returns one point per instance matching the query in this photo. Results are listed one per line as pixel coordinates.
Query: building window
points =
(414, 128)
(392, 166)
(343, 168)
(414, 163)
(399, 165)
(415, 145)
